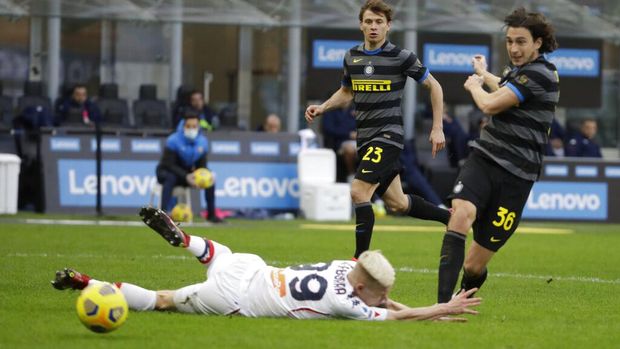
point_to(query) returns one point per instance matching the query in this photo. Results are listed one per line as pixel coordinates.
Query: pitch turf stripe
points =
(427, 229)
(107, 223)
(586, 279)
(547, 278)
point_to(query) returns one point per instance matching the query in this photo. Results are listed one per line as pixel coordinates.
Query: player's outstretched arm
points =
(460, 304)
(339, 99)
(479, 63)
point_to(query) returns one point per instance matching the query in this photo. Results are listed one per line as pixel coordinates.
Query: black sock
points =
(210, 199)
(450, 263)
(473, 281)
(364, 222)
(420, 208)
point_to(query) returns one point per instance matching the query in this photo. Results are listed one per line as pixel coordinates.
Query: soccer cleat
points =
(70, 278)
(159, 221)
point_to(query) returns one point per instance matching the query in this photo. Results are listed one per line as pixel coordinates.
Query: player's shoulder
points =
(540, 66)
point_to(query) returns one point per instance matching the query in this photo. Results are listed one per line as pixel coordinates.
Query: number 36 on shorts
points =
(505, 218)
(373, 154)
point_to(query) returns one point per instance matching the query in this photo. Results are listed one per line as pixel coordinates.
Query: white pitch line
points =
(426, 228)
(586, 279)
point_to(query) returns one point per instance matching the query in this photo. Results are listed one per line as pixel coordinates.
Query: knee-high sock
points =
(201, 248)
(364, 222)
(422, 209)
(473, 281)
(138, 298)
(450, 264)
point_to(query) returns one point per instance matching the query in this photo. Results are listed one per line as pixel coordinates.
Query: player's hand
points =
(312, 112)
(191, 180)
(479, 62)
(461, 304)
(473, 81)
(438, 140)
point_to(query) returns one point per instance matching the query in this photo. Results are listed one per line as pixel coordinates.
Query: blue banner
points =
(449, 58)
(329, 54)
(576, 62)
(567, 200)
(124, 183)
(71, 144)
(255, 185)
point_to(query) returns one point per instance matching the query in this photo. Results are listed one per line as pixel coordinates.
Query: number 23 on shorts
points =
(373, 154)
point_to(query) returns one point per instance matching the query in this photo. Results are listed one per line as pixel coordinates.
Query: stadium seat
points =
(33, 97)
(114, 111)
(181, 103)
(320, 197)
(6, 110)
(148, 111)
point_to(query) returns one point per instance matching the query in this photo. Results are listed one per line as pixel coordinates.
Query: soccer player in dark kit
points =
(375, 73)
(495, 181)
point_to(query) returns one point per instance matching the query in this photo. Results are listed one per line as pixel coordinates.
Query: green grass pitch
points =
(545, 289)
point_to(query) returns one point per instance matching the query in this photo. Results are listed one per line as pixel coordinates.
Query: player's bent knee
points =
(464, 211)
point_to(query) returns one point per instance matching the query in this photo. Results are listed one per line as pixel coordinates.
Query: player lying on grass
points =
(242, 283)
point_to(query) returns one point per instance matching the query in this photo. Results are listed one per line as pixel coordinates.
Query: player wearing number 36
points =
(240, 283)
(495, 181)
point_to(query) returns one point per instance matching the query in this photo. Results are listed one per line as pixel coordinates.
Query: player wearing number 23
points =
(375, 73)
(495, 181)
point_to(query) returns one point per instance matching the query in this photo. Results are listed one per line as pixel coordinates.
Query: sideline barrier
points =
(579, 189)
(253, 170)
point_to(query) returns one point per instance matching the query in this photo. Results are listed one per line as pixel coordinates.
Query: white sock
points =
(138, 298)
(198, 247)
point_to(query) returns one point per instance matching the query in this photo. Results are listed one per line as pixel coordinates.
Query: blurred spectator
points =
(272, 124)
(582, 143)
(555, 147)
(456, 139)
(208, 120)
(77, 109)
(186, 150)
(339, 132)
(411, 174)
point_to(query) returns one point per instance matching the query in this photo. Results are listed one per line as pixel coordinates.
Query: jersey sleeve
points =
(531, 82)
(355, 309)
(346, 77)
(413, 68)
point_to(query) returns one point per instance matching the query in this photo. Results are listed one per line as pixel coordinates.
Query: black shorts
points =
(378, 163)
(499, 197)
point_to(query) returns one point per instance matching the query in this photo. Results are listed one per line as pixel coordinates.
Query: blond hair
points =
(377, 267)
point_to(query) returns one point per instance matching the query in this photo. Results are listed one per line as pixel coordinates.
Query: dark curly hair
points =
(376, 6)
(537, 24)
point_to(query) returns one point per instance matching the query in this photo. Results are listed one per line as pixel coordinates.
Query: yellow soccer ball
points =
(378, 208)
(102, 307)
(182, 213)
(204, 178)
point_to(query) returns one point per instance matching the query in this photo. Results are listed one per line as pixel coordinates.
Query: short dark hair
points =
(191, 114)
(376, 6)
(537, 24)
(79, 85)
